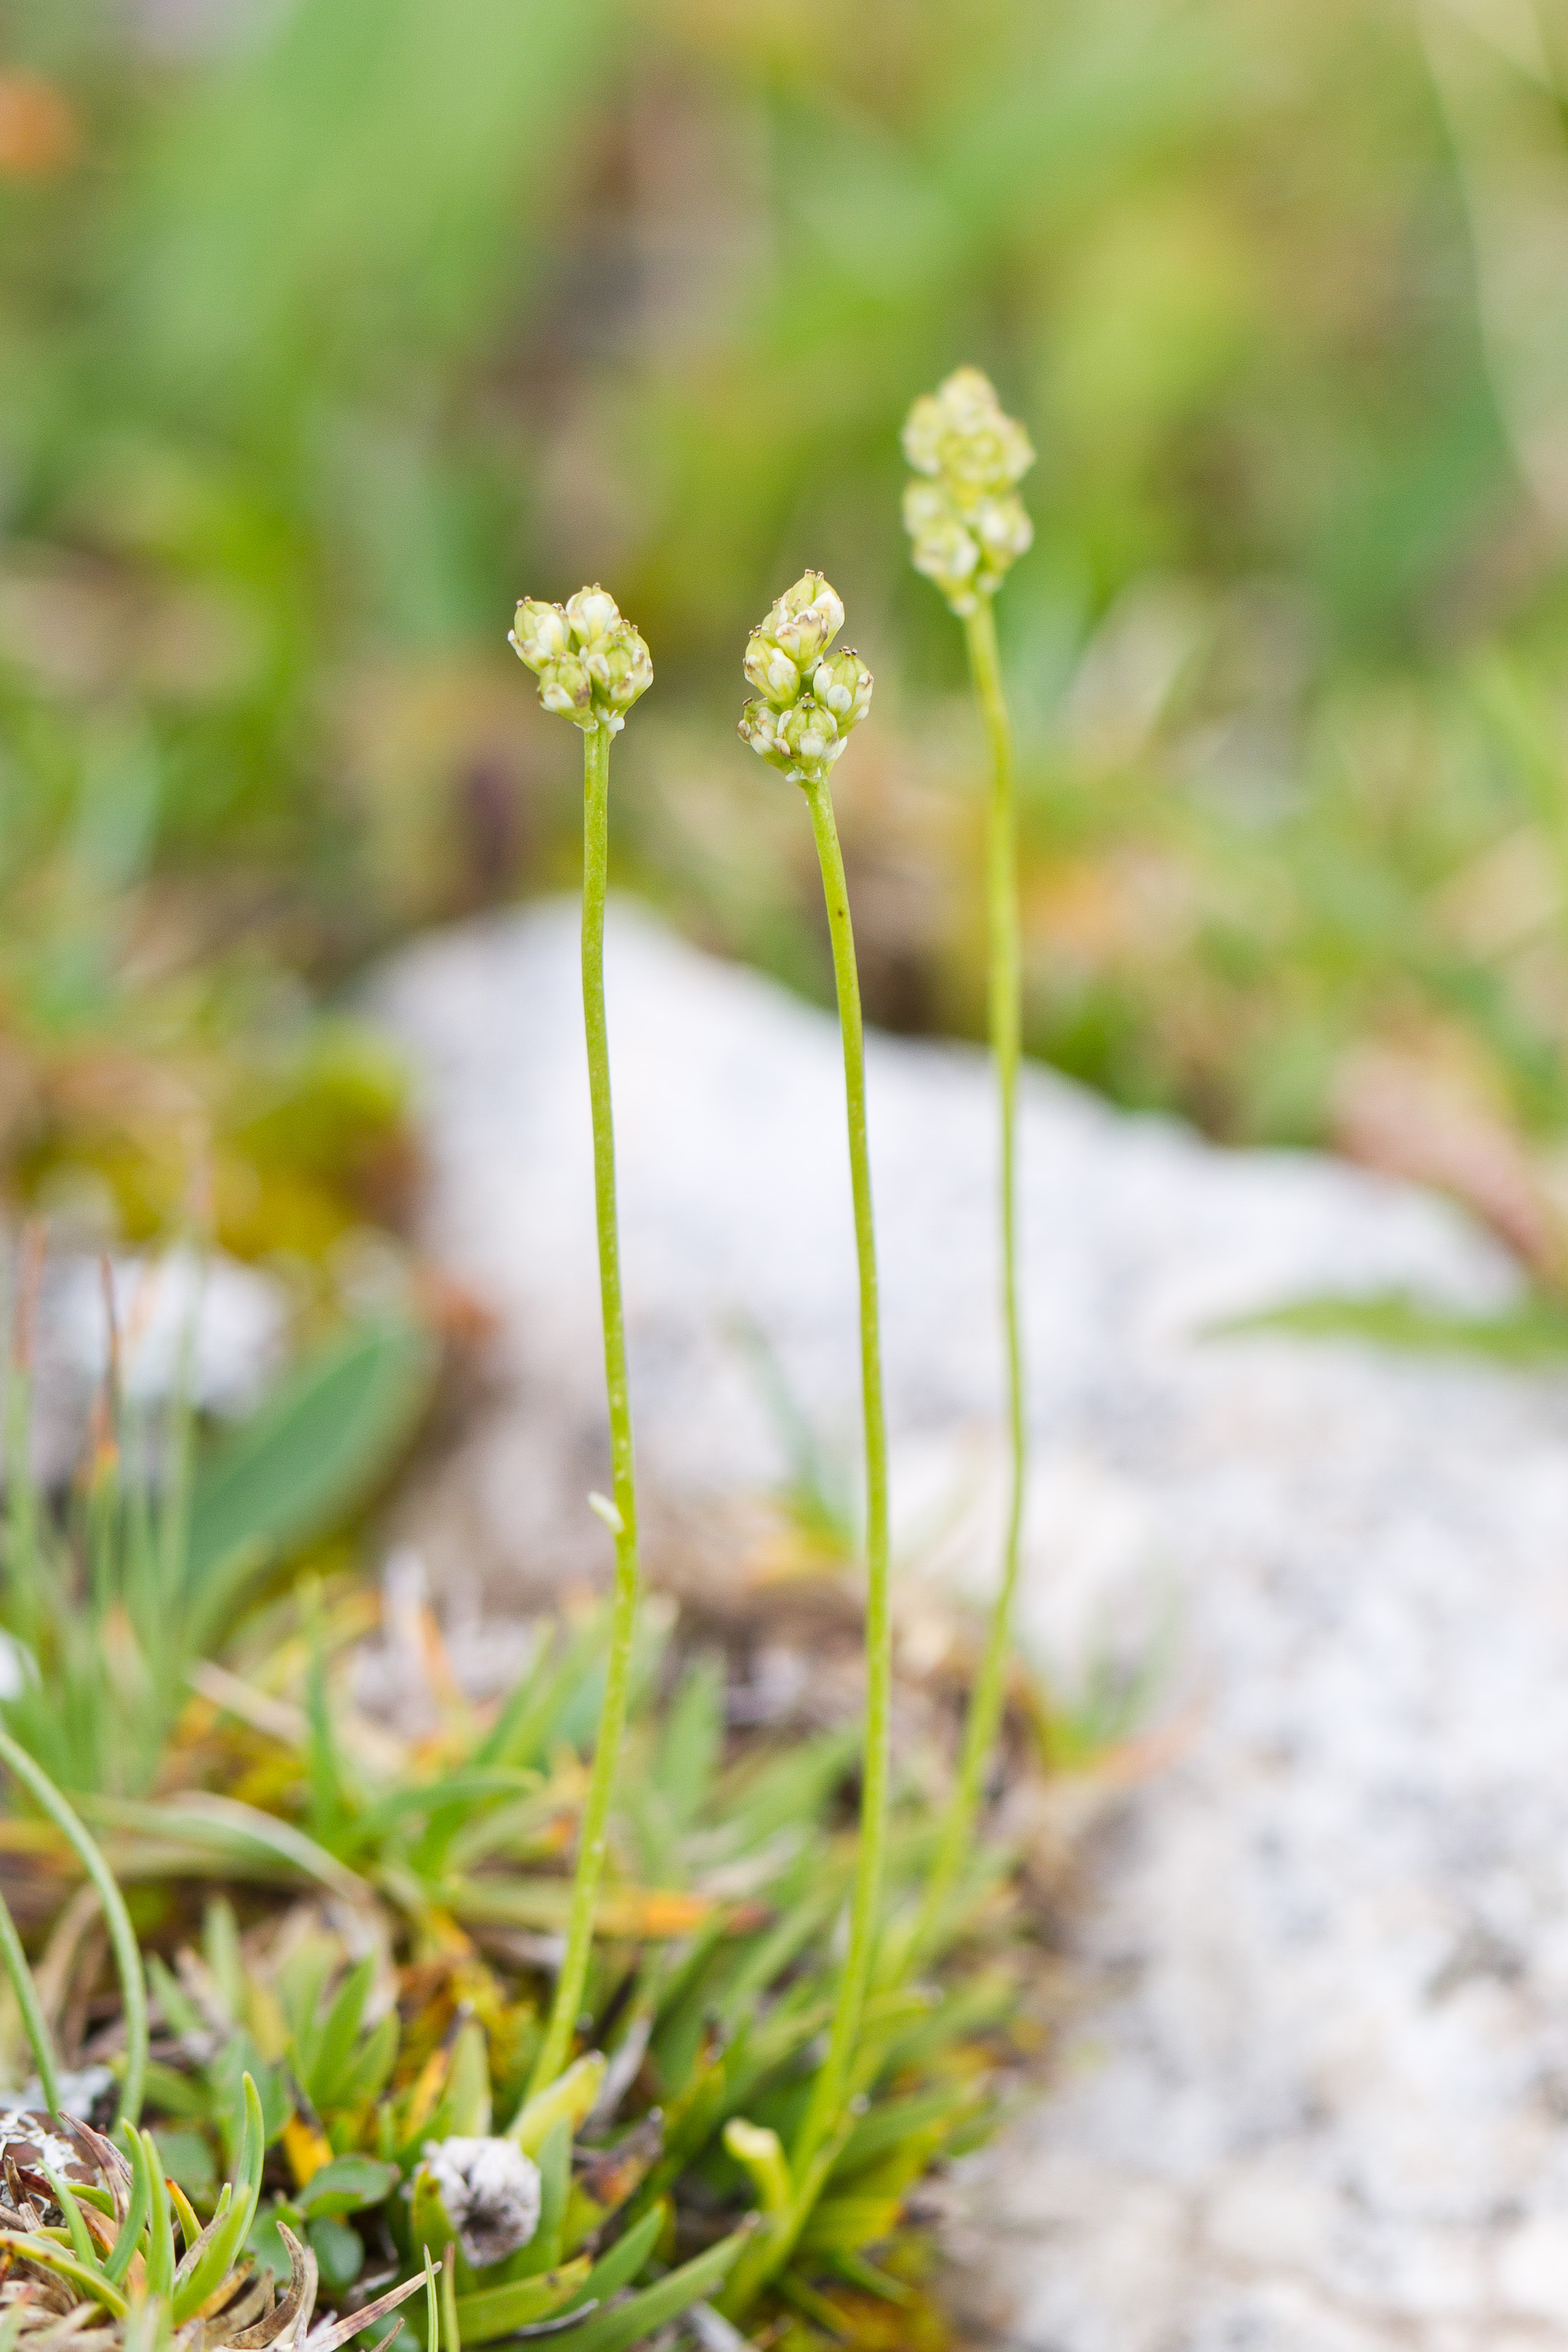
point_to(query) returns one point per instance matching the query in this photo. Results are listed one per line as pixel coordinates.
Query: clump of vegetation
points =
(593, 2012)
(389, 2023)
(578, 2011)
(111, 1605)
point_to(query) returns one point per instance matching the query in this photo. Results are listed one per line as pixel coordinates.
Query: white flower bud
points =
(769, 669)
(565, 688)
(758, 727)
(1004, 530)
(810, 735)
(491, 2194)
(592, 614)
(620, 667)
(540, 632)
(805, 620)
(842, 684)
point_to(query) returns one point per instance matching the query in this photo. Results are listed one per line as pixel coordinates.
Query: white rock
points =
(219, 1323)
(1532, 2268)
(1333, 1931)
(219, 1327)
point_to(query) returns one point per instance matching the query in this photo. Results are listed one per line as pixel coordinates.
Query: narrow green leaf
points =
(214, 2259)
(41, 2041)
(496, 2310)
(570, 2095)
(644, 2315)
(542, 2251)
(122, 1936)
(333, 2051)
(626, 2256)
(84, 2245)
(34, 2247)
(308, 1458)
(160, 2238)
(373, 2062)
(347, 2185)
(137, 2210)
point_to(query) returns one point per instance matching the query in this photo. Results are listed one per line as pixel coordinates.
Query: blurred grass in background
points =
(328, 327)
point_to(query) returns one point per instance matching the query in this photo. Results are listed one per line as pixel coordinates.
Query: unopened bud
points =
(620, 667)
(810, 735)
(1004, 530)
(539, 633)
(592, 612)
(769, 669)
(758, 727)
(842, 684)
(565, 688)
(805, 620)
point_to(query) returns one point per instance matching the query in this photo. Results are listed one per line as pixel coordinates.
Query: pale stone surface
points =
(1316, 2099)
(219, 1327)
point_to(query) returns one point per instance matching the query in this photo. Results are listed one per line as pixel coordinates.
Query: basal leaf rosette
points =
(808, 698)
(965, 516)
(590, 662)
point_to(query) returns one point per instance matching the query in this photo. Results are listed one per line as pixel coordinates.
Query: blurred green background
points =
(329, 327)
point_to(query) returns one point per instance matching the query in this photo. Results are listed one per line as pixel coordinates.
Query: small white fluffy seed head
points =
(491, 2194)
(590, 662)
(807, 699)
(962, 514)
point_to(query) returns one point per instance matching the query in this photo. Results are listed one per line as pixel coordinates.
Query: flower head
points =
(590, 664)
(807, 698)
(490, 2192)
(963, 514)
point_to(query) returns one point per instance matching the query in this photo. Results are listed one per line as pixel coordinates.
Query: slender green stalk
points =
(829, 2092)
(1006, 991)
(828, 2118)
(122, 1935)
(21, 1522)
(594, 1834)
(35, 2024)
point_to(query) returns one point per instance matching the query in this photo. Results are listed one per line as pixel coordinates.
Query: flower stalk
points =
(592, 666)
(967, 525)
(830, 2090)
(809, 699)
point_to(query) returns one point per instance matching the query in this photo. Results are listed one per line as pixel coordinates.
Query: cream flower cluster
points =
(965, 516)
(807, 698)
(590, 664)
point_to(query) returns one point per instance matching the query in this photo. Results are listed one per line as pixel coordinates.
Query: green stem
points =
(593, 1836)
(34, 2022)
(1005, 993)
(830, 2090)
(827, 2121)
(117, 1919)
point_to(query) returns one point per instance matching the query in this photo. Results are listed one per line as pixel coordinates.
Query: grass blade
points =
(122, 1936)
